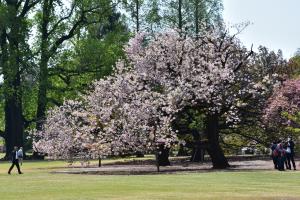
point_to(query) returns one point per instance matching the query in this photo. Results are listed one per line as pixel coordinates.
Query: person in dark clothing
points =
(291, 153)
(281, 156)
(273, 155)
(15, 160)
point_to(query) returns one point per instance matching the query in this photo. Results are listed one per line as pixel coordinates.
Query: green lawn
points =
(38, 183)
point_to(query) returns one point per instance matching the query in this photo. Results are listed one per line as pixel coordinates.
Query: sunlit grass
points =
(38, 183)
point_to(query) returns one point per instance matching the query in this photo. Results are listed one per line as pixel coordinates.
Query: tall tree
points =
(58, 23)
(154, 16)
(193, 16)
(294, 64)
(92, 57)
(14, 34)
(135, 9)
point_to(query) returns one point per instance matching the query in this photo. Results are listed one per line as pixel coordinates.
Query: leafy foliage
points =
(283, 108)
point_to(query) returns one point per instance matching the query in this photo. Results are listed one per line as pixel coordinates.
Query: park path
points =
(134, 169)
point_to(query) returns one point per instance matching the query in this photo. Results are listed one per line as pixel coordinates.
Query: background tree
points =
(193, 16)
(135, 10)
(265, 71)
(92, 56)
(154, 16)
(294, 65)
(47, 67)
(283, 109)
(57, 28)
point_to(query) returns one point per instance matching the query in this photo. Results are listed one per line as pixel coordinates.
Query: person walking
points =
(291, 149)
(20, 155)
(15, 160)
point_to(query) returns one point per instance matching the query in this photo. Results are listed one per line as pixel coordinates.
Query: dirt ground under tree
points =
(138, 167)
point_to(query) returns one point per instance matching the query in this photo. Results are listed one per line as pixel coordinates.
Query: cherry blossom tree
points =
(126, 108)
(119, 116)
(68, 133)
(163, 75)
(283, 108)
(254, 84)
(195, 73)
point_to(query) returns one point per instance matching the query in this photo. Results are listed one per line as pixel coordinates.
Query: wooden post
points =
(99, 161)
(157, 163)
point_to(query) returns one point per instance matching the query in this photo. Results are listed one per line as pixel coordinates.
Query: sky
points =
(273, 23)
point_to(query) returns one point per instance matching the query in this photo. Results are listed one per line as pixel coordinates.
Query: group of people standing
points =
(16, 159)
(283, 153)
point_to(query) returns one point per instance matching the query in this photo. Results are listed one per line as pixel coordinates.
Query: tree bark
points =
(14, 122)
(42, 93)
(197, 154)
(43, 65)
(180, 21)
(137, 15)
(156, 161)
(99, 161)
(163, 156)
(215, 151)
(197, 17)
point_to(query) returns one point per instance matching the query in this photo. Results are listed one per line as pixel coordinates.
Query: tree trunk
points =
(197, 154)
(99, 161)
(197, 17)
(180, 21)
(156, 161)
(43, 65)
(163, 156)
(42, 93)
(137, 15)
(215, 151)
(14, 122)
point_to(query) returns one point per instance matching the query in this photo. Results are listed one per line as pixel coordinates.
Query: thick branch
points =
(246, 58)
(27, 6)
(252, 138)
(81, 20)
(61, 20)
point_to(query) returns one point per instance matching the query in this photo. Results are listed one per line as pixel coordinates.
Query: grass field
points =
(38, 183)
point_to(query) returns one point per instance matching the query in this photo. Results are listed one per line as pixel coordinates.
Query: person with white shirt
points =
(290, 153)
(20, 155)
